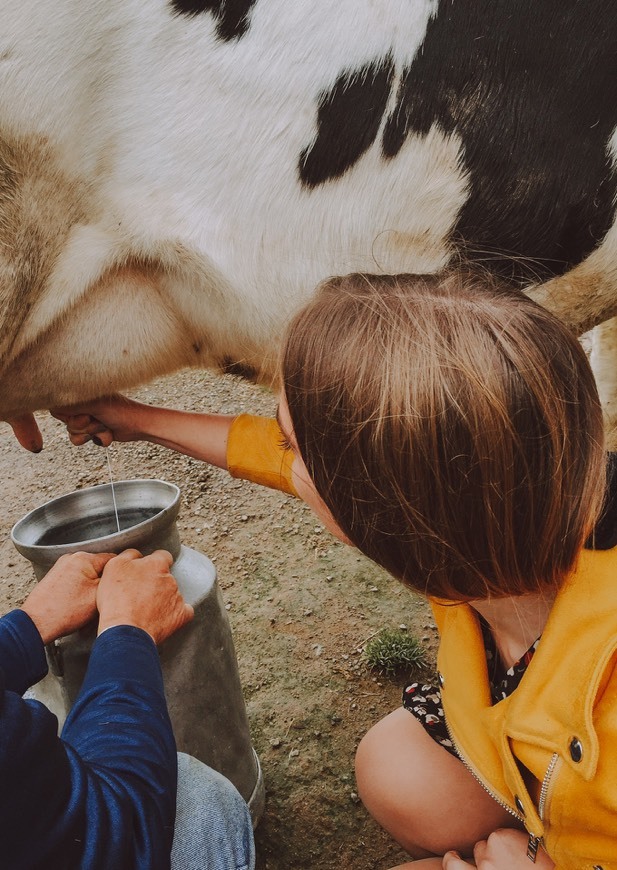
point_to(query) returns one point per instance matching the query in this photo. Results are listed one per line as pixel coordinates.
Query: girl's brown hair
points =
(452, 427)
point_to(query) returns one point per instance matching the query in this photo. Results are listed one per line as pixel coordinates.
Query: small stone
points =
(294, 752)
(354, 797)
(403, 627)
(275, 742)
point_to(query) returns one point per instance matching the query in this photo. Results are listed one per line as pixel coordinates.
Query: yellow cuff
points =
(255, 453)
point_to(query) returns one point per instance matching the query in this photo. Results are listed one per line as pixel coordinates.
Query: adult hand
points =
(65, 599)
(27, 432)
(505, 849)
(111, 418)
(139, 590)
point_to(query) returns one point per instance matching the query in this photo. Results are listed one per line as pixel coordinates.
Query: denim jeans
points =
(213, 825)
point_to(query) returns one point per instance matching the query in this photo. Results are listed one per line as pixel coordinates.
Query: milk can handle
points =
(54, 657)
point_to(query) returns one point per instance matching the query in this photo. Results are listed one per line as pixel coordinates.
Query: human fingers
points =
(82, 428)
(163, 557)
(130, 565)
(27, 432)
(453, 861)
(142, 593)
(128, 555)
(480, 852)
(73, 569)
(65, 599)
(86, 563)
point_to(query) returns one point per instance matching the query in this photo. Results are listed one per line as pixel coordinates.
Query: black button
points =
(576, 749)
(519, 804)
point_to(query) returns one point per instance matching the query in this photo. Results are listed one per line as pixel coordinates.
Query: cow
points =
(176, 176)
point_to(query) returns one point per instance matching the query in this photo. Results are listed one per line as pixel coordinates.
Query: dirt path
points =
(301, 606)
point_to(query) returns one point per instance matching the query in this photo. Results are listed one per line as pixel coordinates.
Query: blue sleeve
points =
(22, 654)
(102, 796)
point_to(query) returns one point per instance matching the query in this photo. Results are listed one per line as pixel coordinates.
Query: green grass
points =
(393, 652)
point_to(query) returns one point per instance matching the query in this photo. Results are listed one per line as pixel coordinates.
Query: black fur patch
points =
(530, 87)
(232, 15)
(348, 120)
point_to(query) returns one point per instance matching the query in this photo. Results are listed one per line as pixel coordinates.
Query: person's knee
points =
(365, 763)
(373, 765)
(213, 823)
(385, 780)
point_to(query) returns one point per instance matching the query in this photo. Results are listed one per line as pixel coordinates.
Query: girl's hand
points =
(112, 418)
(505, 849)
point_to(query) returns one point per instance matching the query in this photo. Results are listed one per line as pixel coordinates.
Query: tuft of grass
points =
(393, 651)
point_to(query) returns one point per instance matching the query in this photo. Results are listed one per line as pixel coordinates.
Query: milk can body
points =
(200, 672)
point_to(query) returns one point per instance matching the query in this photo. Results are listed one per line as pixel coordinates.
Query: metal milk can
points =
(200, 671)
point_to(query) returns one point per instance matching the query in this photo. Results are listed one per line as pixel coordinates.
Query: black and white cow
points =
(176, 176)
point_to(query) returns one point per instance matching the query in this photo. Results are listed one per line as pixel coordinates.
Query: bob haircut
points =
(453, 428)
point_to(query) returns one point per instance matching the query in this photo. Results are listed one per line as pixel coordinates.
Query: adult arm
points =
(103, 796)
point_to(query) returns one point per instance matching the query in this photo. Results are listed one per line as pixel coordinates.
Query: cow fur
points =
(176, 177)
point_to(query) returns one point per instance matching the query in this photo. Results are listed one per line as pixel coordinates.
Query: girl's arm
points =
(252, 451)
(116, 418)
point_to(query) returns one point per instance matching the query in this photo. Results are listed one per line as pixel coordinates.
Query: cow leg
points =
(603, 359)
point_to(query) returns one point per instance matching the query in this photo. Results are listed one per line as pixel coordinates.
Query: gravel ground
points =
(301, 604)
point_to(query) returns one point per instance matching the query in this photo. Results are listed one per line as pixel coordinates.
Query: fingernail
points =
(97, 441)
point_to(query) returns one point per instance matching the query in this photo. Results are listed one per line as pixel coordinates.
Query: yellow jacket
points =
(561, 721)
(549, 751)
(255, 453)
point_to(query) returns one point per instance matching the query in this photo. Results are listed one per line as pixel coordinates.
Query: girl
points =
(451, 430)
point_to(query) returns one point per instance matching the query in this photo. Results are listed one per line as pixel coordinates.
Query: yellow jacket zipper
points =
(534, 842)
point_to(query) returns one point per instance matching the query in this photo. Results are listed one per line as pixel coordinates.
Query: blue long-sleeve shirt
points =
(102, 796)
